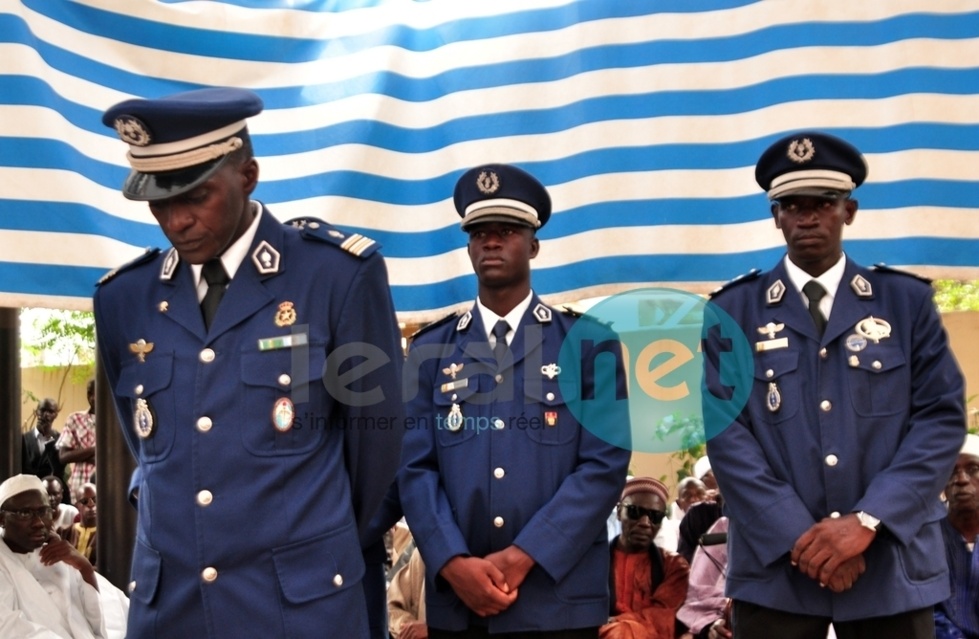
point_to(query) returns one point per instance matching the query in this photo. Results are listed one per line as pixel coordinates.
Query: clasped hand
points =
(488, 585)
(831, 552)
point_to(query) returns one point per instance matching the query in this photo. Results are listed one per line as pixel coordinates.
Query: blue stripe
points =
(45, 279)
(285, 50)
(63, 217)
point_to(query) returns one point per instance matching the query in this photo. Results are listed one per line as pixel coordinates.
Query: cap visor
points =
(499, 214)
(149, 187)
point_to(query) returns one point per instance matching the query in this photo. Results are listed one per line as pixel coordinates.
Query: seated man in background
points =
(406, 599)
(958, 616)
(47, 588)
(706, 612)
(647, 584)
(83, 531)
(63, 514)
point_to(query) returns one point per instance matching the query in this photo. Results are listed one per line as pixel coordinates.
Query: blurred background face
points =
(46, 413)
(637, 513)
(962, 489)
(87, 507)
(691, 493)
(55, 491)
(24, 534)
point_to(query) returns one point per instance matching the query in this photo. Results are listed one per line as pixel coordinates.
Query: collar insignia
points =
(775, 292)
(463, 322)
(169, 265)
(542, 313)
(266, 258)
(861, 286)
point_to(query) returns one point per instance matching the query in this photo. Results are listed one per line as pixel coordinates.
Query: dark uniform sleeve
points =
(368, 362)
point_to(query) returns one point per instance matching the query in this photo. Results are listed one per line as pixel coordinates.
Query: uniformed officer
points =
(831, 473)
(505, 492)
(256, 373)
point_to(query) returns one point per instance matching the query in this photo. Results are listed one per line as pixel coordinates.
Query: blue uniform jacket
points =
(837, 425)
(520, 469)
(248, 521)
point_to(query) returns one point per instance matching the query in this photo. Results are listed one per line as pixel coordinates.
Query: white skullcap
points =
(701, 467)
(20, 484)
(971, 445)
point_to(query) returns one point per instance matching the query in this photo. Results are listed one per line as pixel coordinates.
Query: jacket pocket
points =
(283, 407)
(153, 412)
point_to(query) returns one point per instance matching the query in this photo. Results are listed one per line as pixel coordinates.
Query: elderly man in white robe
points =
(47, 588)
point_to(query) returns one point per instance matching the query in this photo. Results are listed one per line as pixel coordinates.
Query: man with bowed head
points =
(505, 486)
(249, 517)
(855, 413)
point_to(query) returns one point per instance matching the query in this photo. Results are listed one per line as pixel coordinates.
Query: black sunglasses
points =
(636, 513)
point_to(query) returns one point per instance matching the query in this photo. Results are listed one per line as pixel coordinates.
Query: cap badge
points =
(488, 182)
(132, 131)
(286, 315)
(801, 151)
(873, 329)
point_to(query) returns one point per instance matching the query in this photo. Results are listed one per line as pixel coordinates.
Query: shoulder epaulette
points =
(569, 310)
(439, 322)
(147, 255)
(312, 228)
(880, 267)
(753, 274)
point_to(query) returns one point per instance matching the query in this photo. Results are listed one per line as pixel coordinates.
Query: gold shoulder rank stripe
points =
(357, 244)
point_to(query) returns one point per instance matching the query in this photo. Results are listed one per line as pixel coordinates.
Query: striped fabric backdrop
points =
(643, 118)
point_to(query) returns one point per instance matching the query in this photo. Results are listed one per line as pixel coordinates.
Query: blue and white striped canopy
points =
(644, 119)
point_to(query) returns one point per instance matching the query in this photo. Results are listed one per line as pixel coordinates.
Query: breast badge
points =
(771, 343)
(774, 400)
(454, 419)
(286, 315)
(144, 421)
(874, 329)
(283, 415)
(141, 348)
(550, 371)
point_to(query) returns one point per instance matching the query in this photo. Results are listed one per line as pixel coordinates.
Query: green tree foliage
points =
(956, 295)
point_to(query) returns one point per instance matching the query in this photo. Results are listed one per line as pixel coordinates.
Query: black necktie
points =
(217, 279)
(815, 292)
(500, 330)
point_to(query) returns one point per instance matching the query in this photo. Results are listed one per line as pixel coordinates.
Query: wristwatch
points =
(868, 521)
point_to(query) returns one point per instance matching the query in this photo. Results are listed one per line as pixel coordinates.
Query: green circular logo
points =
(659, 333)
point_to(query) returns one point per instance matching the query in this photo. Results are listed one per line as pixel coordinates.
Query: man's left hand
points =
(513, 562)
(827, 545)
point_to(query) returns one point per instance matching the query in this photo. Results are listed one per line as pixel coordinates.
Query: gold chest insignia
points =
(286, 315)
